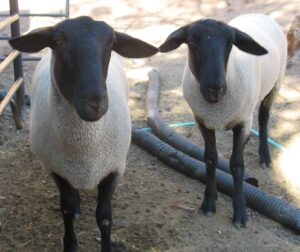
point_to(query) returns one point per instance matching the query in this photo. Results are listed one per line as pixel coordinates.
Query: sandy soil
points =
(154, 207)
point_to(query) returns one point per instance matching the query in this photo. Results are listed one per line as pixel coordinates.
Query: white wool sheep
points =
(230, 68)
(80, 125)
(82, 152)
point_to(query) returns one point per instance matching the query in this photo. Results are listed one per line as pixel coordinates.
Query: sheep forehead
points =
(83, 28)
(209, 29)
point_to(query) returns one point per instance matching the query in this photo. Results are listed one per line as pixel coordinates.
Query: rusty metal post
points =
(18, 67)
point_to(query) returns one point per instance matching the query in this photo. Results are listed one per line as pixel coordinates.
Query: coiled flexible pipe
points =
(266, 204)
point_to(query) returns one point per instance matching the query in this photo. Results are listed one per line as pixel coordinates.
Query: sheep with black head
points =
(231, 68)
(80, 126)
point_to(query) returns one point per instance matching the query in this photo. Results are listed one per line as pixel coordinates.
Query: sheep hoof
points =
(240, 221)
(239, 225)
(209, 213)
(76, 216)
(208, 209)
(265, 160)
(266, 165)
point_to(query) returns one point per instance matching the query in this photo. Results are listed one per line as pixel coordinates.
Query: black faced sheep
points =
(223, 81)
(80, 126)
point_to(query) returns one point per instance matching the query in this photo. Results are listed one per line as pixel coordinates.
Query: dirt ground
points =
(154, 207)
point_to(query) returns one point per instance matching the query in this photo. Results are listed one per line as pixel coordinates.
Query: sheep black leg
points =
(103, 212)
(208, 205)
(240, 138)
(263, 118)
(70, 209)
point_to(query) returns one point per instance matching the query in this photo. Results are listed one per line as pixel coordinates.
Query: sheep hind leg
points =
(263, 118)
(103, 212)
(240, 138)
(70, 209)
(208, 205)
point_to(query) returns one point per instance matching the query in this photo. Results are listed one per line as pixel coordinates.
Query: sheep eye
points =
(59, 42)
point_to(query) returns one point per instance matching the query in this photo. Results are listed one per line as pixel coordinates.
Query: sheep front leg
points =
(240, 138)
(208, 205)
(103, 212)
(70, 209)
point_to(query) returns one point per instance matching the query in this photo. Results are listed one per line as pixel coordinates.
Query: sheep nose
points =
(216, 90)
(93, 101)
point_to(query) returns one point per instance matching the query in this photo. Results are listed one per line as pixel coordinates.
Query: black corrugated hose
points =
(164, 132)
(266, 204)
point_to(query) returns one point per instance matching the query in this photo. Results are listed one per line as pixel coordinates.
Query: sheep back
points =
(269, 34)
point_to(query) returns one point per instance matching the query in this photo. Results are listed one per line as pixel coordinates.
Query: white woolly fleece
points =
(249, 78)
(81, 152)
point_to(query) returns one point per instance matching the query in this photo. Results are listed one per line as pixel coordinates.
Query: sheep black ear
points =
(131, 47)
(34, 41)
(174, 40)
(247, 44)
